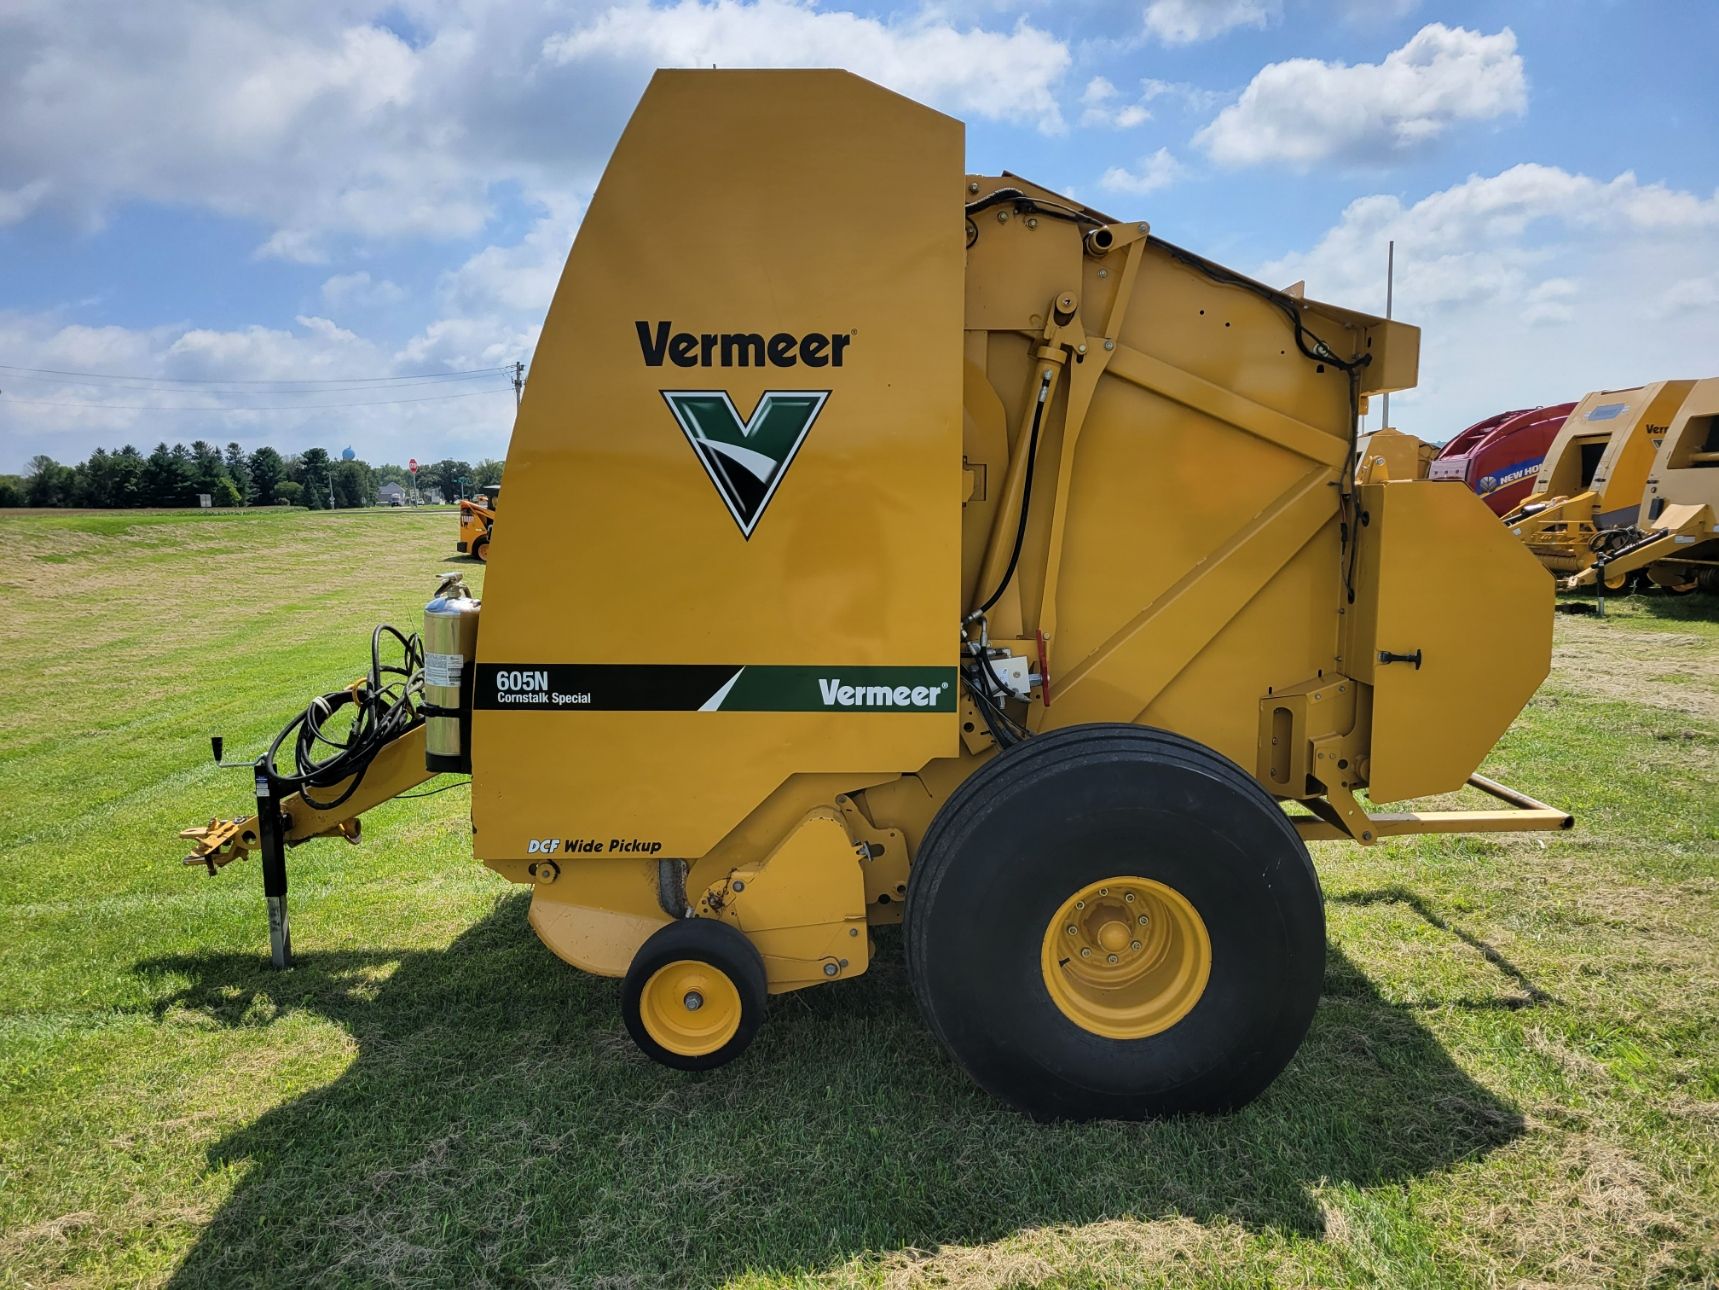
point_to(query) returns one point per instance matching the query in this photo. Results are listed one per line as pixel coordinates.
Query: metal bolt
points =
(1128, 895)
(739, 886)
(1031, 222)
(1072, 931)
(1113, 958)
(1085, 953)
(1002, 217)
(1104, 891)
(973, 187)
(1080, 349)
(830, 969)
(1134, 945)
(693, 1001)
(1143, 920)
(853, 931)
(1080, 904)
(1104, 273)
(1110, 344)
(1141, 227)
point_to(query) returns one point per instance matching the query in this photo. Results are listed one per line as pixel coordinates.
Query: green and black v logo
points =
(746, 460)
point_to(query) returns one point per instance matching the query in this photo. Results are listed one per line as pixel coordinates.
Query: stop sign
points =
(412, 465)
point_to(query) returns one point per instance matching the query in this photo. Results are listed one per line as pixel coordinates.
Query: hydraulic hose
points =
(385, 704)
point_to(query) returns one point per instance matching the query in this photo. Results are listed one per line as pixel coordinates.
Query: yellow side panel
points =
(823, 216)
(1438, 575)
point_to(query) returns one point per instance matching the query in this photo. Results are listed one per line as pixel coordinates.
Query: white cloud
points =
(1157, 171)
(1304, 111)
(1101, 107)
(325, 127)
(998, 76)
(1183, 22)
(1690, 295)
(1534, 285)
(67, 421)
(1190, 97)
(360, 290)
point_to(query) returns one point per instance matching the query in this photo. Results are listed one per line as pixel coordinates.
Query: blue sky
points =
(203, 194)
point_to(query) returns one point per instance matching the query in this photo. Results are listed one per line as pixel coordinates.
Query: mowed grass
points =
(1513, 1077)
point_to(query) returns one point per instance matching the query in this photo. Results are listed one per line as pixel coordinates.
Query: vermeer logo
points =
(746, 460)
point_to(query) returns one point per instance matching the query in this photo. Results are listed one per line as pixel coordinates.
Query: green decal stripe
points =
(712, 687)
(842, 689)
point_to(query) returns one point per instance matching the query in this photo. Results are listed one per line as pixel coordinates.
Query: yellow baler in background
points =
(862, 565)
(1675, 538)
(1588, 493)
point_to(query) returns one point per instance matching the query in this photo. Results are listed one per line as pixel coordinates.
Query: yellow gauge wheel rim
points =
(1126, 957)
(690, 1007)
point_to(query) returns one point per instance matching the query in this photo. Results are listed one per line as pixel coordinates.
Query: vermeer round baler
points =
(862, 565)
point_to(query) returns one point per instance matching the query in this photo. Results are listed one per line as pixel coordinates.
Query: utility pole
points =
(1390, 276)
(518, 383)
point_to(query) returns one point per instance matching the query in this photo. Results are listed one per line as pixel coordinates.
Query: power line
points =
(353, 387)
(289, 407)
(215, 380)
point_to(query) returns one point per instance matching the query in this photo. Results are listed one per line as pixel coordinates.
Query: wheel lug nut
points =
(1073, 930)
(1143, 920)
(1113, 958)
(1080, 904)
(1085, 953)
(1104, 891)
(1134, 945)
(693, 1001)
(1128, 895)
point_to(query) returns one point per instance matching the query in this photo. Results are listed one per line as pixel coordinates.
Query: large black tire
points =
(1080, 806)
(480, 548)
(726, 956)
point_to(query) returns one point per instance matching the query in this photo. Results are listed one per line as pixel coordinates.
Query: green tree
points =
(48, 483)
(159, 484)
(315, 474)
(392, 475)
(289, 492)
(11, 491)
(239, 471)
(93, 485)
(487, 471)
(267, 471)
(127, 477)
(448, 476)
(208, 471)
(354, 484)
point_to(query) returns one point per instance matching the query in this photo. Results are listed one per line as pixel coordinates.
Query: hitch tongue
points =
(217, 843)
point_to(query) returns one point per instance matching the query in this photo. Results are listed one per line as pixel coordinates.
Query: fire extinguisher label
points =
(443, 669)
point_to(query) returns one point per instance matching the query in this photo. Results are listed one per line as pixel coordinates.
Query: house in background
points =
(391, 495)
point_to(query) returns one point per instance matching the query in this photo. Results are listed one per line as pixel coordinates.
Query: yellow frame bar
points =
(1527, 815)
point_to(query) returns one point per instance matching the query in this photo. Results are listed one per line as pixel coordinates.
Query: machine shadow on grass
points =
(496, 1125)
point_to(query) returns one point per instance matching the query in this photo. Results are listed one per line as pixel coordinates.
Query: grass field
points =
(1513, 1077)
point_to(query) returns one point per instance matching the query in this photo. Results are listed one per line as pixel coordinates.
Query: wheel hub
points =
(690, 1007)
(1126, 958)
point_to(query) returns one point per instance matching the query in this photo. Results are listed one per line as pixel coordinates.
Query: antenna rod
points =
(1390, 275)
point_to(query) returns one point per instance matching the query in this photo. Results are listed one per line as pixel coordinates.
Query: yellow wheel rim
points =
(690, 1007)
(1126, 957)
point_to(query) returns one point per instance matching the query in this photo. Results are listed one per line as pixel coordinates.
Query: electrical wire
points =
(385, 704)
(355, 386)
(220, 380)
(1319, 352)
(1029, 205)
(229, 409)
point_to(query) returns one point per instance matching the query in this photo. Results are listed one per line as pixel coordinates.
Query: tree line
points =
(177, 475)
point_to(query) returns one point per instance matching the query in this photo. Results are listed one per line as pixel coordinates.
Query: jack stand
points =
(271, 837)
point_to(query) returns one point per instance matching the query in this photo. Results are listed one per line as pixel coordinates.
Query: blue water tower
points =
(347, 454)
